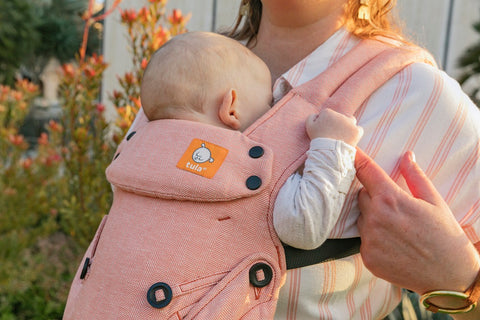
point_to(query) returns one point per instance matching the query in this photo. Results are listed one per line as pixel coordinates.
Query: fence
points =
(444, 27)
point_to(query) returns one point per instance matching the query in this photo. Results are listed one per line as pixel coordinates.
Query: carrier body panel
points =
(190, 232)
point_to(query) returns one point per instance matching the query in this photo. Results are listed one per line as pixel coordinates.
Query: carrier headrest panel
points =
(184, 160)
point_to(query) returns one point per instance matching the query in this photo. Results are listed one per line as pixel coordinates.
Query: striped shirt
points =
(420, 109)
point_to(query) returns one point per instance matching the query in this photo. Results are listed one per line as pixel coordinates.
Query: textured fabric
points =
(172, 226)
(204, 250)
(308, 204)
(419, 109)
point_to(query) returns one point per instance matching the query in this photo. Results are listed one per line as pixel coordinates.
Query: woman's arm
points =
(413, 240)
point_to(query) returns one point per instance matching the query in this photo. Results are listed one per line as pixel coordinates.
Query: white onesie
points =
(309, 204)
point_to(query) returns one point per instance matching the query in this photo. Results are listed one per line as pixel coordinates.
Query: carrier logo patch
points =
(202, 158)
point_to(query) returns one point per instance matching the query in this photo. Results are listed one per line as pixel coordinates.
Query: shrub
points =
(470, 63)
(53, 200)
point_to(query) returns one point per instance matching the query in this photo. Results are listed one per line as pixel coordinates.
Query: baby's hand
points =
(331, 124)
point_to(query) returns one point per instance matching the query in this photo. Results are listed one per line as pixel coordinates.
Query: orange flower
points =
(4, 90)
(144, 63)
(43, 139)
(54, 126)
(117, 94)
(90, 72)
(16, 140)
(27, 163)
(124, 124)
(26, 85)
(128, 15)
(136, 101)
(144, 15)
(17, 95)
(129, 78)
(100, 107)
(96, 59)
(52, 159)
(68, 70)
(22, 105)
(159, 38)
(176, 17)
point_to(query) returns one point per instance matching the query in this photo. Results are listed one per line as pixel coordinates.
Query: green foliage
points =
(147, 29)
(28, 214)
(31, 32)
(86, 149)
(470, 62)
(51, 202)
(59, 37)
(60, 27)
(18, 36)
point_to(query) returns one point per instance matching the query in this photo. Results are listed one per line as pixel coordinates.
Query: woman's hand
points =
(411, 241)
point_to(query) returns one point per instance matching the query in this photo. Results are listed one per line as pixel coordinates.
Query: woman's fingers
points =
(399, 230)
(418, 183)
(371, 175)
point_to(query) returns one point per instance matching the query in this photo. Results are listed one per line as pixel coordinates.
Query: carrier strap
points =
(346, 84)
(331, 249)
(344, 87)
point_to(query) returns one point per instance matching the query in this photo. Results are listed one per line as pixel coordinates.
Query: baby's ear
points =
(228, 110)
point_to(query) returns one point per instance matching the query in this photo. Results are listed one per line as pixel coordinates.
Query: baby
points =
(176, 245)
(209, 78)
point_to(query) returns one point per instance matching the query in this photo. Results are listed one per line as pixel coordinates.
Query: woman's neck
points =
(281, 46)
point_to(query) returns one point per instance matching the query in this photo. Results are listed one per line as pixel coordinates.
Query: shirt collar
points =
(310, 66)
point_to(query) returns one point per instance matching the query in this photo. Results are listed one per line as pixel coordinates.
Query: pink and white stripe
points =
(419, 109)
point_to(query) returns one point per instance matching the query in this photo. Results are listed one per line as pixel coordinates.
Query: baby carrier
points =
(190, 234)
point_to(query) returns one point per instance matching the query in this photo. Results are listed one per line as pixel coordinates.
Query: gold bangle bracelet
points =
(444, 293)
(470, 296)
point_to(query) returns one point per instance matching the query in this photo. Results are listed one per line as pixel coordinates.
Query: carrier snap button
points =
(131, 135)
(260, 275)
(256, 152)
(86, 265)
(158, 299)
(253, 182)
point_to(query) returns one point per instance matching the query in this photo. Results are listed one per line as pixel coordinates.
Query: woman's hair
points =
(381, 23)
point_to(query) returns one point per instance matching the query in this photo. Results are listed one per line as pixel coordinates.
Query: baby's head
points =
(206, 77)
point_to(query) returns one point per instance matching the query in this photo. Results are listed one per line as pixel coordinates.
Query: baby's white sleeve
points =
(307, 207)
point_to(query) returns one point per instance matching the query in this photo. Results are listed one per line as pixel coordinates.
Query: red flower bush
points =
(53, 197)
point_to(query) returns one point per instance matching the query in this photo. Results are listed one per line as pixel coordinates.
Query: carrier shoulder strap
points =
(346, 84)
(343, 87)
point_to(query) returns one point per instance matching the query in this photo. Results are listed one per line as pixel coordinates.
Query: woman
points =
(415, 243)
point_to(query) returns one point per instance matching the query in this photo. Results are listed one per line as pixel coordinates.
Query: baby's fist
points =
(331, 124)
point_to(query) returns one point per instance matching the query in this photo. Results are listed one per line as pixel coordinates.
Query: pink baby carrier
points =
(190, 233)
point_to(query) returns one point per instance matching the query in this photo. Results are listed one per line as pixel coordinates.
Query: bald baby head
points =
(184, 73)
(206, 77)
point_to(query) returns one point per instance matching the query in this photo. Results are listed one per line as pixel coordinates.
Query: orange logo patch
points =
(202, 158)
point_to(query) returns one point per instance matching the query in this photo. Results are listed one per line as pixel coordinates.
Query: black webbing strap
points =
(330, 250)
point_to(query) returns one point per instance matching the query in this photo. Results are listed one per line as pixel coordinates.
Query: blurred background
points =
(444, 27)
(69, 88)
